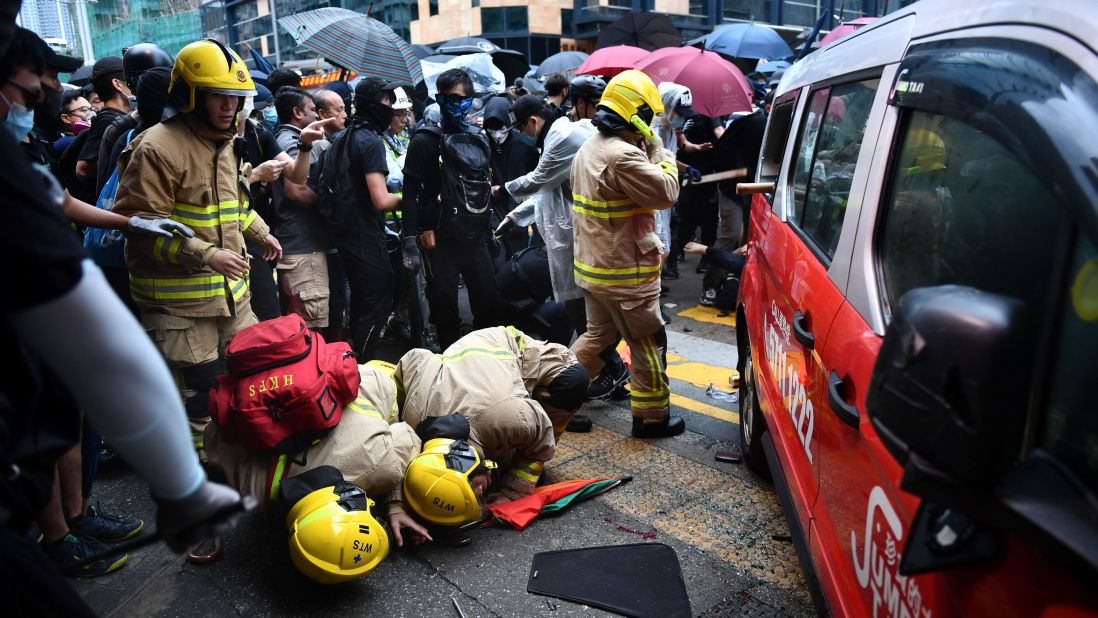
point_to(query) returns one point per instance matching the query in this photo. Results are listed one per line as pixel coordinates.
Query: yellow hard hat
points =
(633, 96)
(926, 148)
(333, 536)
(211, 66)
(436, 484)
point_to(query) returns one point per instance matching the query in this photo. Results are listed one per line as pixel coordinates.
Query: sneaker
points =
(606, 383)
(579, 423)
(709, 298)
(670, 270)
(71, 554)
(104, 527)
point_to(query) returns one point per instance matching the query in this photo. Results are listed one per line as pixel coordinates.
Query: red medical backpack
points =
(286, 387)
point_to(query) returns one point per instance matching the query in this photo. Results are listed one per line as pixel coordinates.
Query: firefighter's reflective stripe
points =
(660, 396)
(389, 369)
(615, 209)
(208, 286)
(670, 169)
(211, 215)
(276, 476)
(615, 276)
(247, 218)
(526, 469)
(519, 337)
(459, 354)
(167, 249)
(364, 407)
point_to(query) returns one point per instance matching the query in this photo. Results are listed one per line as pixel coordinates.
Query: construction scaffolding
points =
(116, 24)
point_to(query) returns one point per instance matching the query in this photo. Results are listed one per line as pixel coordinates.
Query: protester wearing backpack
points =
(447, 185)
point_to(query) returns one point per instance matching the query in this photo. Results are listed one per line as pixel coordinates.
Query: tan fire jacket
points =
(369, 451)
(490, 376)
(186, 170)
(616, 191)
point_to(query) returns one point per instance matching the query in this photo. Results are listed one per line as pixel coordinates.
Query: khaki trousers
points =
(639, 323)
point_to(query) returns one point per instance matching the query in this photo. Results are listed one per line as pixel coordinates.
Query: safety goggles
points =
(464, 459)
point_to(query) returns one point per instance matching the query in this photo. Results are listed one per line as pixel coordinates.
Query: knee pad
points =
(568, 390)
(199, 378)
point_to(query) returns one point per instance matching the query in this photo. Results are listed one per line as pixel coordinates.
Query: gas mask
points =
(499, 135)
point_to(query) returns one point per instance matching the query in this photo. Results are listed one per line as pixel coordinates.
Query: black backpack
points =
(465, 160)
(337, 196)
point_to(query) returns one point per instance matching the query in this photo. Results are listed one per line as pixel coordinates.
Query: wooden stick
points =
(750, 188)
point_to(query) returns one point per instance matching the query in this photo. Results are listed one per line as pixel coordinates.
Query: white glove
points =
(159, 227)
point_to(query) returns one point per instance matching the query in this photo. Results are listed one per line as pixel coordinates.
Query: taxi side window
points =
(963, 210)
(1071, 428)
(826, 158)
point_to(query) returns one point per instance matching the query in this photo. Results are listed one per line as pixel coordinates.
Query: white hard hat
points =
(403, 101)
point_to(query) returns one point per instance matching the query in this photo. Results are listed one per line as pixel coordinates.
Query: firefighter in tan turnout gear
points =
(620, 177)
(193, 292)
(512, 397)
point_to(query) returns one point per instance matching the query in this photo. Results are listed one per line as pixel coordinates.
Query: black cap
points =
(370, 87)
(54, 60)
(526, 106)
(108, 65)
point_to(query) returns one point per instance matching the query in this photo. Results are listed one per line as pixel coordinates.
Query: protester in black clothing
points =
(135, 61)
(448, 257)
(109, 81)
(730, 264)
(512, 157)
(697, 204)
(76, 115)
(556, 92)
(362, 243)
(259, 146)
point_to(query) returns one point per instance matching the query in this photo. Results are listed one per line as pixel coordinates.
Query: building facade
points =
(117, 24)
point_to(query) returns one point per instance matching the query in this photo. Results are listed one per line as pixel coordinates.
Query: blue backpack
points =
(106, 246)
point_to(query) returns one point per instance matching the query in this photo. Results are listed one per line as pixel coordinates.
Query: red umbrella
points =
(609, 61)
(717, 86)
(844, 29)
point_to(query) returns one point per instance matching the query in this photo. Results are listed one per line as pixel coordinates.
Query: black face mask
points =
(47, 113)
(377, 115)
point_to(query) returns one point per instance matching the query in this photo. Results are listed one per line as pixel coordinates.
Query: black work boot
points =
(579, 423)
(671, 426)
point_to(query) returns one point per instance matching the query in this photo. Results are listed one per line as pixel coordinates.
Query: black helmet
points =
(140, 58)
(586, 87)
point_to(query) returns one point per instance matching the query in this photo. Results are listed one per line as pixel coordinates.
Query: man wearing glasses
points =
(76, 116)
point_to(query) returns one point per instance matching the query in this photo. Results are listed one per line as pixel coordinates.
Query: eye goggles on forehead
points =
(463, 458)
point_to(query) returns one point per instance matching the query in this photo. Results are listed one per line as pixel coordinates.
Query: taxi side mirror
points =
(949, 390)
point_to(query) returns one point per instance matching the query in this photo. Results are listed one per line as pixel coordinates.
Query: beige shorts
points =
(192, 341)
(304, 280)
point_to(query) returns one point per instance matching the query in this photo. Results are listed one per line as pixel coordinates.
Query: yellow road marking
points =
(704, 408)
(709, 314)
(700, 374)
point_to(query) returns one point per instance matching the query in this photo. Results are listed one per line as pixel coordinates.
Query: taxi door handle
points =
(846, 412)
(801, 331)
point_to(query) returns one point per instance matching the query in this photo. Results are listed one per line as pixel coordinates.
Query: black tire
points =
(752, 424)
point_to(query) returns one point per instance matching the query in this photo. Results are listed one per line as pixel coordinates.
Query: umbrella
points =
(767, 68)
(745, 41)
(648, 31)
(609, 61)
(844, 29)
(562, 62)
(551, 499)
(512, 63)
(422, 51)
(356, 42)
(717, 86)
(261, 64)
(82, 76)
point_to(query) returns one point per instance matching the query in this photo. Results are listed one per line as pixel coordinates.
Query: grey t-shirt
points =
(299, 229)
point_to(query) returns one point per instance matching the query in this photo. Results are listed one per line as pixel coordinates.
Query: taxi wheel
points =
(752, 424)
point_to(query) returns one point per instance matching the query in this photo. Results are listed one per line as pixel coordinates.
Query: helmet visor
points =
(236, 92)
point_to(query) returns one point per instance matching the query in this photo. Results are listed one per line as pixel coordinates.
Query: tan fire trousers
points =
(640, 324)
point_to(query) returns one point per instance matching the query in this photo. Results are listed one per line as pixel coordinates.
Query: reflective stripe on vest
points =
(614, 209)
(364, 407)
(186, 288)
(615, 276)
(211, 215)
(167, 249)
(526, 469)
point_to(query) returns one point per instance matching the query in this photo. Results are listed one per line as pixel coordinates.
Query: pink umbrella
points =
(717, 86)
(844, 29)
(609, 61)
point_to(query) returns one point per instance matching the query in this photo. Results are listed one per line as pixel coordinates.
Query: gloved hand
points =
(183, 523)
(412, 260)
(505, 227)
(693, 174)
(159, 227)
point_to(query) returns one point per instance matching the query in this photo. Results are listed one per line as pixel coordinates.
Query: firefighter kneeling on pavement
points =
(472, 400)
(620, 177)
(193, 292)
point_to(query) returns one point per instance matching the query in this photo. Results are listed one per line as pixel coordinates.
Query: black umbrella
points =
(82, 76)
(422, 51)
(641, 29)
(561, 62)
(512, 63)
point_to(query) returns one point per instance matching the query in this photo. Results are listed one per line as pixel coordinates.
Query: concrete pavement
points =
(723, 522)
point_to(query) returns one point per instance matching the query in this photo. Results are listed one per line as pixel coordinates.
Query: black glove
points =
(412, 260)
(208, 512)
(694, 174)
